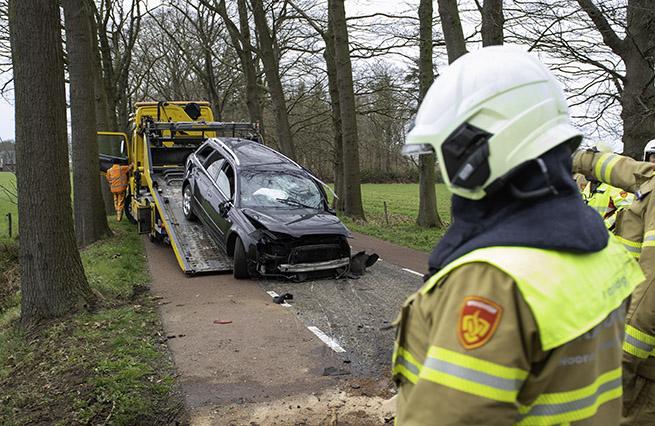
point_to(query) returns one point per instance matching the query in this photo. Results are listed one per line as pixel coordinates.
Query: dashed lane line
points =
(413, 272)
(326, 339)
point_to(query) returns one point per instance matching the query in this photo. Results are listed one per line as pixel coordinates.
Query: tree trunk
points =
(253, 91)
(428, 215)
(492, 22)
(240, 37)
(53, 283)
(331, 65)
(351, 177)
(452, 29)
(272, 71)
(102, 114)
(638, 97)
(88, 204)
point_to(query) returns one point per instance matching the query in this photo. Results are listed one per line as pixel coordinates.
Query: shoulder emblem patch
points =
(478, 320)
(623, 194)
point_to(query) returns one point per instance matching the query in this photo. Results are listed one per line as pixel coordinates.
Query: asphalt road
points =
(233, 347)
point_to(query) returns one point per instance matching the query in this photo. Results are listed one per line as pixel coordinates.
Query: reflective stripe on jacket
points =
(635, 229)
(117, 177)
(554, 358)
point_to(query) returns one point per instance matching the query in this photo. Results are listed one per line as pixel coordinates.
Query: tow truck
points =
(164, 134)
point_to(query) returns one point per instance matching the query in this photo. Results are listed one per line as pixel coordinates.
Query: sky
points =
(7, 122)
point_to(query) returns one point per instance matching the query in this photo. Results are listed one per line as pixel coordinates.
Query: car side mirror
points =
(224, 208)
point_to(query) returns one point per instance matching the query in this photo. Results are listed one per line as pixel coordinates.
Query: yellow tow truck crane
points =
(164, 134)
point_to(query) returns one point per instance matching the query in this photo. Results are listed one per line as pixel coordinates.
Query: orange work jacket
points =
(117, 177)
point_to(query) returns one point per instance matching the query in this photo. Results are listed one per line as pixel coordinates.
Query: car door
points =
(225, 182)
(205, 189)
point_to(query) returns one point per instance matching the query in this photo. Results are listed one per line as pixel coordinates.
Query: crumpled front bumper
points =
(314, 266)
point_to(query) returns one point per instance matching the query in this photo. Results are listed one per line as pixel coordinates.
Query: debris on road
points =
(281, 298)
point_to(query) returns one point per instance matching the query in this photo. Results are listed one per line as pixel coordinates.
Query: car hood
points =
(299, 222)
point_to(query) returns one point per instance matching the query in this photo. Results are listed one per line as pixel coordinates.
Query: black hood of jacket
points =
(559, 221)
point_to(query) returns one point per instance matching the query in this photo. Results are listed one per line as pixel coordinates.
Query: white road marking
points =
(274, 295)
(326, 339)
(413, 272)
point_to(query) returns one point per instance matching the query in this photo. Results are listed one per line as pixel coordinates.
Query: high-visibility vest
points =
(596, 284)
(117, 178)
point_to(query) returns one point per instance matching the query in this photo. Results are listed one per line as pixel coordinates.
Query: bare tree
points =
(273, 81)
(351, 177)
(88, 205)
(241, 42)
(452, 29)
(492, 21)
(637, 49)
(118, 30)
(428, 215)
(53, 283)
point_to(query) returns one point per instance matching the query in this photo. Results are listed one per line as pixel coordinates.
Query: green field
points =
(8, 205)
(398, 225)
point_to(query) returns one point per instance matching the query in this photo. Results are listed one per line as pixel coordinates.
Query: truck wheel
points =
(187, 198)
(240, 262)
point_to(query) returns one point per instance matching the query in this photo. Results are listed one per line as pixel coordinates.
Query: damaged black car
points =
(268, 212)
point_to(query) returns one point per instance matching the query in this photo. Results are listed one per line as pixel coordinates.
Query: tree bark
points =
(428, 215)
(492, 22)
(273, 81)
(452, 29)
(53, 283)
(102, 113)
(88, 204)
(240, 37)
(351, 176)
(331, 65)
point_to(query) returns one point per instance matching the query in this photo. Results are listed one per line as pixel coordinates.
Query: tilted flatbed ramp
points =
(196, 250)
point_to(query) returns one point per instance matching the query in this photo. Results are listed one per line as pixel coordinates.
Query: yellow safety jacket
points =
(607, 201)
(635, 229)
(117, 177)
(511, 335)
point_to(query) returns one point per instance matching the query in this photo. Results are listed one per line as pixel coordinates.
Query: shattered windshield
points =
(279, 190)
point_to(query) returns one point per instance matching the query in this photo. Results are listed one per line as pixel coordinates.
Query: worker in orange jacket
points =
(117, 178)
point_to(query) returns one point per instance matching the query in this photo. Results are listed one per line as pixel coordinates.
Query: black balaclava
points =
(559, 221)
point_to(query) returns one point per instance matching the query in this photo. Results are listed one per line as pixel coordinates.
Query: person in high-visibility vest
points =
(607, 200)
(635, 229)
(521, 317)
(117, 176)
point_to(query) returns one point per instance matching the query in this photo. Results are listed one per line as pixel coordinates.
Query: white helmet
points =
(649, 149)
(488, 112)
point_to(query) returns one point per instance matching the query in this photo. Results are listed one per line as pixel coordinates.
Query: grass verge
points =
(109, 367)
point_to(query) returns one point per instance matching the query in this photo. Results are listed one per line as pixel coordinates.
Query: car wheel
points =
(240, 262)
(186, 203)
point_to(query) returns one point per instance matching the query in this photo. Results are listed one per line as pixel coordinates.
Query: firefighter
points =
(649, 151)
(635, 229)
(522, 318)
(607, 200)
(117, 178)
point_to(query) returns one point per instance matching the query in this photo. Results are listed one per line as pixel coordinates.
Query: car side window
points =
(225, 180)
(213, 164)
(202, 154)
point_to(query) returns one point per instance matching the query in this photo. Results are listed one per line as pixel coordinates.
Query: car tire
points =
(187, 204)
(240, 261)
